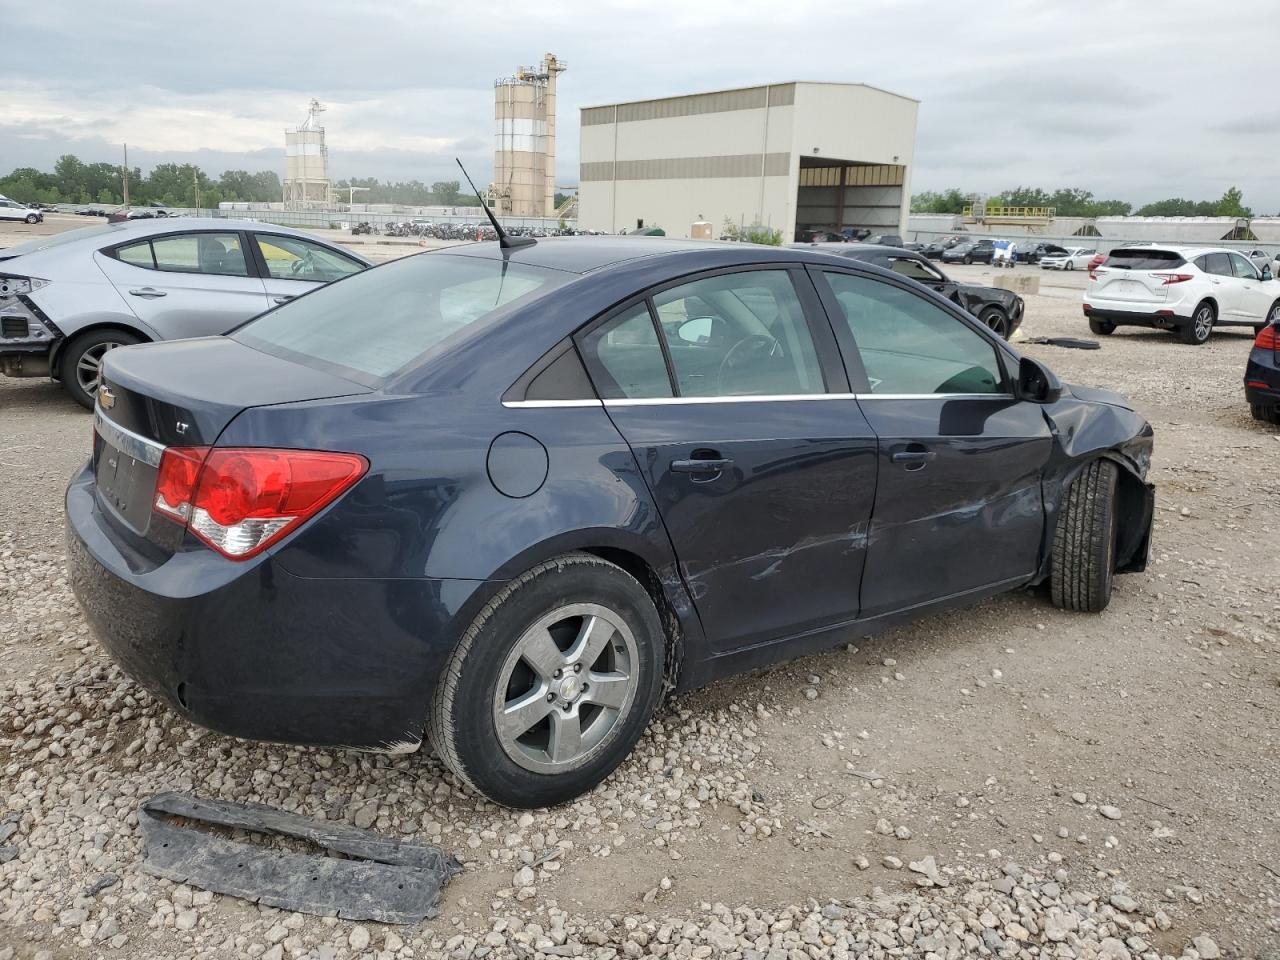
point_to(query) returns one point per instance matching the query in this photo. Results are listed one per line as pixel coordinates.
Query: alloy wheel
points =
(1203, 323)
(566, 685)
(997, 322)
(89, 367)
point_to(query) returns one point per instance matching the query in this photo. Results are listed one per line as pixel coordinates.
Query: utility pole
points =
(124, 172)
(195, 186)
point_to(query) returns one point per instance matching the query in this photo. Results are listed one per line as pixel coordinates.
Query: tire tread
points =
(1084, 541)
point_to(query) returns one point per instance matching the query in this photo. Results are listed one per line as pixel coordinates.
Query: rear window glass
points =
(377, 322)
(1144, 259)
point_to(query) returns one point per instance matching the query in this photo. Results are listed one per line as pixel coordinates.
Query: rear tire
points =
(1265, 413)
(1103, 328)
(1200, 327)
(513, 718)
(1084, 542)
(82, 362)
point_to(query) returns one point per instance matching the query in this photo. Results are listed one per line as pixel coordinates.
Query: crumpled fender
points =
(1089, 423)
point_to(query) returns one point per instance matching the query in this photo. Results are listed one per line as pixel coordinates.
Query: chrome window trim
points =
(762, 398)
(126, 441)
(519, 404)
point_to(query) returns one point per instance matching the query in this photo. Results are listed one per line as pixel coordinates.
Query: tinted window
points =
(376, 322)
(911, 346)
(626, 349)
(1243, 268)
(1218, 264)
(289, 258)
(739, 334)
(213, 253)
(1138, 259)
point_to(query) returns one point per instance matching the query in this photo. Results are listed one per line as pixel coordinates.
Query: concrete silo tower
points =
(306, 159)
(524, 157)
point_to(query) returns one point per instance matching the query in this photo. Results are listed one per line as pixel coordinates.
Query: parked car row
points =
(68, 299)
(503, 496)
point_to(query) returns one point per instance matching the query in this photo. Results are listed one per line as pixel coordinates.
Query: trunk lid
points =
(181, 393)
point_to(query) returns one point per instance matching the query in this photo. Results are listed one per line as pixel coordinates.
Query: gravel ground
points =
(1008, 780)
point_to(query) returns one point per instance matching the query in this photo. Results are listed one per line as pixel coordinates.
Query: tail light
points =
(1168, 278)
(240, 500)
(1268, 338)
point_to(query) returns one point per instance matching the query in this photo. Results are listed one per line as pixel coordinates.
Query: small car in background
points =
(970, 251)
(1033, 252)
(883, 240)
(69, 298)
(1262, 374)
(1001, 310)
(1187, 290)
(13, 210)
(1073, 258)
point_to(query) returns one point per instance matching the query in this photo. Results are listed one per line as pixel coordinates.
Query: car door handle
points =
(283, 298)
(913, 457)
(700, 466)
(149, 293)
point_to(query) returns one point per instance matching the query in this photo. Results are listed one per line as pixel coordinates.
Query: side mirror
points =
(1036, 382)
(1266, 273)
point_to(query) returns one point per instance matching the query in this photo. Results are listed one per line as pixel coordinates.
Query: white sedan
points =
(12, 210)
(1076, 258)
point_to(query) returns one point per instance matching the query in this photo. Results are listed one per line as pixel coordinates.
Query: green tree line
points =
(176, 184)
(1074, 202)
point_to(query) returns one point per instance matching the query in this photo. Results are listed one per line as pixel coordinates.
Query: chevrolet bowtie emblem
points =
(106, 397)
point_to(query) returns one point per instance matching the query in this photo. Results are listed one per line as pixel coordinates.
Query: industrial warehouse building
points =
(785, 155)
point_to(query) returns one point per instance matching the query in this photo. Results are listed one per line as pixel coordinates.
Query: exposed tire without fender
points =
(1084, 542)
(552, 685)
(997, 320)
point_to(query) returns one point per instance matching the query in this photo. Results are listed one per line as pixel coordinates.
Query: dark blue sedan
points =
(1262, 375)
(505, 498)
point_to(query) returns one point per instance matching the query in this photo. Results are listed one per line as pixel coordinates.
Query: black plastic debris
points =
(356, 874)
(1073, 343)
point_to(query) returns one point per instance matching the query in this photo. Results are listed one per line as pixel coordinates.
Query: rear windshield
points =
(1144, 259)
(376, 323)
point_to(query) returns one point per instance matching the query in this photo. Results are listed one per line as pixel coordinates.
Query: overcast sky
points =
(1132, 101)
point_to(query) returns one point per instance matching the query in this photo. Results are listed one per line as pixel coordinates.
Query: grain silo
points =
(524, 157)
(306, 158)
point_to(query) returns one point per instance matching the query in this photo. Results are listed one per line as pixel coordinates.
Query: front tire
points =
(1103, 328)
(1201, 326)
(968, 260)
(82, 362)
(552, 685)
(32, 218)
(1084, 542)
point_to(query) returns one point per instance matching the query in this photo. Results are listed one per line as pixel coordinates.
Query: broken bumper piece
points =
(355, 874)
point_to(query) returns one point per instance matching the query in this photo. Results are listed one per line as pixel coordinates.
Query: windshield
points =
(375, 323)
(58, 239)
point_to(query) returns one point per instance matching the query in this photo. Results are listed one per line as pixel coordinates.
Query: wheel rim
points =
(1204, 322)
(89, 366)
(566, 686)
(1274, 315)
(995, 320)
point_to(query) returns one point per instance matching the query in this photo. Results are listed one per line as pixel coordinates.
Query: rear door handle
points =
(149, 293)
(283, 298)
(700, 466)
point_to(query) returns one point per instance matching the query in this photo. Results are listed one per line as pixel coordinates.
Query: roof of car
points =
(585, 254)
(858, 249)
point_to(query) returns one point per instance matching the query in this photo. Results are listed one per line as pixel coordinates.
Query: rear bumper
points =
(1262, 378)
(1134, 318)
(253, 651)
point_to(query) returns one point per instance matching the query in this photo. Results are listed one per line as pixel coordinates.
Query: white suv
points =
(12, 210)
(1187, 289)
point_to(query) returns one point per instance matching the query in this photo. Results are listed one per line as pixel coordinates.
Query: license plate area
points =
(125, 469)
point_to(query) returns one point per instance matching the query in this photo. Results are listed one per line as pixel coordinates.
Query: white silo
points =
(306, 158)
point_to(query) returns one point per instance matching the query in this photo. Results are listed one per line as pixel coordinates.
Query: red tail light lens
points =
(240, 500)
(1168, 278)
(1268, 338)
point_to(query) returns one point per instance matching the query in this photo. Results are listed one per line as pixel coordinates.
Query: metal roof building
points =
(783, 155)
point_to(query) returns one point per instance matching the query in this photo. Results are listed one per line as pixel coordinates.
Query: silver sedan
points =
(65, 300)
